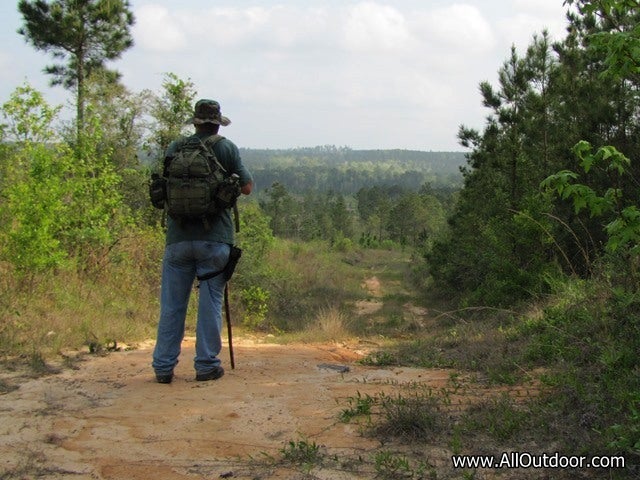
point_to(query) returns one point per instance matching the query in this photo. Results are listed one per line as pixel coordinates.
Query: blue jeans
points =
(182, 262)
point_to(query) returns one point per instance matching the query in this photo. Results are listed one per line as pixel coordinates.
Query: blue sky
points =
(292, 73)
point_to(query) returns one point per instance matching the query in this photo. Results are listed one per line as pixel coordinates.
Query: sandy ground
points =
(109, 419)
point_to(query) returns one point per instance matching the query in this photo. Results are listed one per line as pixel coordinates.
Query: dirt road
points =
(108, 419)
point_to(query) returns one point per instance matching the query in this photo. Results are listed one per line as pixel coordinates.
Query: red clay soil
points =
(109, 419)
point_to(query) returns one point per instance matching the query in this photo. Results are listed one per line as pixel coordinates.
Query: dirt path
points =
(108, 419)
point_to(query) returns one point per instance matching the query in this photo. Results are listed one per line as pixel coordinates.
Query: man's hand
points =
(246, 189)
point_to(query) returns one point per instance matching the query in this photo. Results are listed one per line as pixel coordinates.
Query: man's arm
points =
(246, 189)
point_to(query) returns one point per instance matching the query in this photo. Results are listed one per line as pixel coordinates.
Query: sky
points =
(369, 74)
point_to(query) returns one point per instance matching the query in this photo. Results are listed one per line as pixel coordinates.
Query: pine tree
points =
(83, 34)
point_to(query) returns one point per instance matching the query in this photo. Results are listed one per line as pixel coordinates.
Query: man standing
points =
(196, 248)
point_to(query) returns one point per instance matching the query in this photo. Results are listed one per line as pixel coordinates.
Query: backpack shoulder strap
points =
(209, 143)
(212, 140)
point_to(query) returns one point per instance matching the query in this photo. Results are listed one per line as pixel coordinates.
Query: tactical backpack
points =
(195, 184)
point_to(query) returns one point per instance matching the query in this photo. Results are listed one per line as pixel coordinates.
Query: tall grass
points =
(304, 282)
(112, 300)
(306, 290)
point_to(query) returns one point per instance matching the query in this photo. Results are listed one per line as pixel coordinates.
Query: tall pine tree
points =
(82, 34)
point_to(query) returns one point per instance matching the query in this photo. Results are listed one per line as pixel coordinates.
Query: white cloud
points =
(458, 28)
(226, 26)
(373, 27)
(520, 29)
(348, 60)
(531, 17)
(540, 8)
(158, 31)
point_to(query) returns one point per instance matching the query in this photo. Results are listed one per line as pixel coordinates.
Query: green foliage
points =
(506, 234)
(96, 197)
(379, 359)
(68, 309)
(345, 171)
(412, 416)
(387, 217)
(60, 202)
(29, 117)
(170, 111)
(120, 114)
(500, 418)
(34, 200)
(389, 465)
(255, 236)
(589, 339)
(626, 436)
(85, 34)
(302, 452)
(621, 48)
(360, 405)
(89, 33)
(256, 305)
(622, 215)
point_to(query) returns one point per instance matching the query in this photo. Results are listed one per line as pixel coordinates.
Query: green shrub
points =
(256, 304)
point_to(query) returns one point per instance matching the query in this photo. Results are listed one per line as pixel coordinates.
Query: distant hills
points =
(344, 170)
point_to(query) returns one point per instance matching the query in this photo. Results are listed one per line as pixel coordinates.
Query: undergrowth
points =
(579, 346)
(112, 301)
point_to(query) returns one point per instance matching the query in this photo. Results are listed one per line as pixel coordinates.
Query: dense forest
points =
(540, 215)
(343, 170)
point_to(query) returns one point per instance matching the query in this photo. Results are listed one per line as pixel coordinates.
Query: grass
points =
(500, 418)
(72, 309)
(390, 465)
(417, 416)
(411, 414)
(301, 452)
(330, 324)
(360, 405)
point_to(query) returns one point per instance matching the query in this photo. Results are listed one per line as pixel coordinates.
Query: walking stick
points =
(229, 334)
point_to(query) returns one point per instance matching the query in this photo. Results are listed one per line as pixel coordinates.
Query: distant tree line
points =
(346, 171)
(370, 198)
(375, 217)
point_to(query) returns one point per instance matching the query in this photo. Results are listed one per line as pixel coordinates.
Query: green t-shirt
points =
(221, 228)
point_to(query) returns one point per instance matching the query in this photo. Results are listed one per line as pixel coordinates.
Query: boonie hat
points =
(208, 111)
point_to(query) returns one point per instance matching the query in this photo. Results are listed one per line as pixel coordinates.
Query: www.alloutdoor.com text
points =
(530, 460)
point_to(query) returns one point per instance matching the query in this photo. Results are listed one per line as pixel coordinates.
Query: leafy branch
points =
(624, 230)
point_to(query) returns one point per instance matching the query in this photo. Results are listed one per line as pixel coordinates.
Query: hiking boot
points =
(214, 374)
(164, 378)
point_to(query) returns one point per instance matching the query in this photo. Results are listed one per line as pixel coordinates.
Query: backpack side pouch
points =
(157, 191)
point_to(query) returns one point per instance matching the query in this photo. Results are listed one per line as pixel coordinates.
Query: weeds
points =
(302, 453)
(360, 405)
(73, 308)
(500, 418)
(6, 387)
(379, 359)
(414, 416)
(391, 466)
(330, 324)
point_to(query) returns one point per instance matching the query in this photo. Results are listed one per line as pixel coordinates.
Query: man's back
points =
(220, 227)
